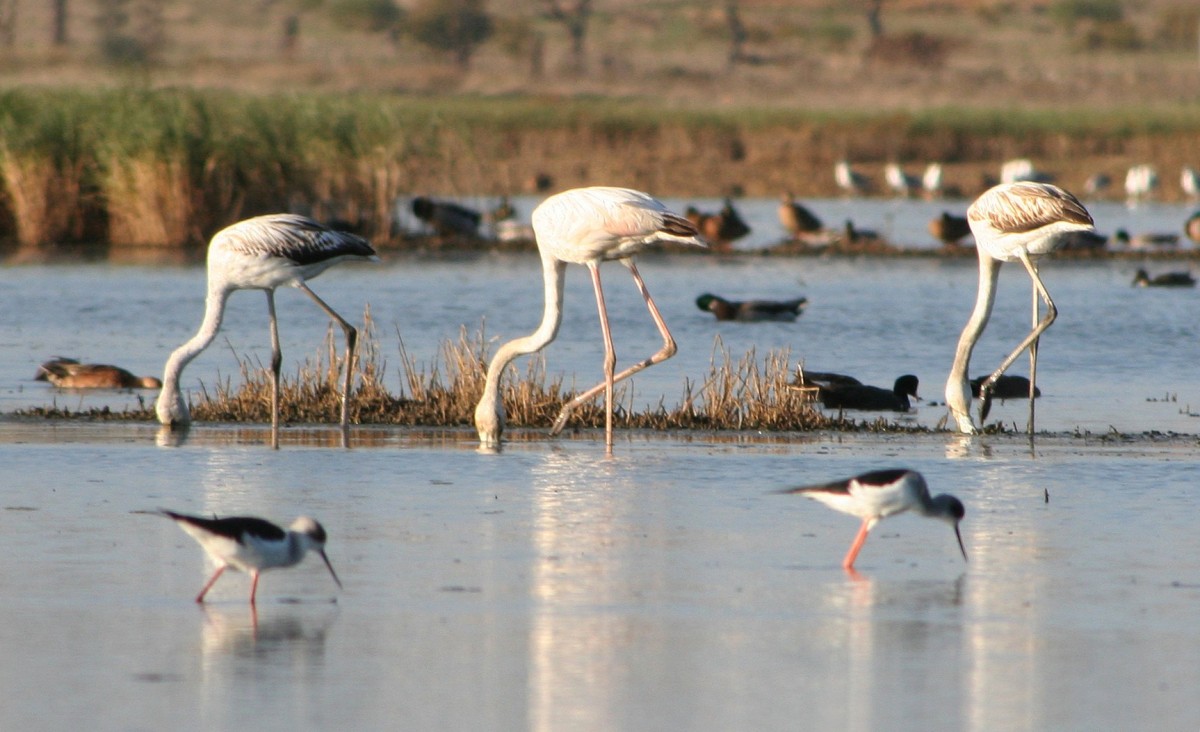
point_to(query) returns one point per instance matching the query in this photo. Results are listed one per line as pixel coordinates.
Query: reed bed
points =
(169, 167)
(742, 393)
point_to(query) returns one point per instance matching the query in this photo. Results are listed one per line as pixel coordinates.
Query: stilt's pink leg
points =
(211, 580)
(253, 586)
(848, 562)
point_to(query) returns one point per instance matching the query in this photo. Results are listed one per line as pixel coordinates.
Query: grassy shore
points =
(750, 392)
(167, 168)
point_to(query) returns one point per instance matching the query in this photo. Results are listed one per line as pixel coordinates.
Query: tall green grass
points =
(169, 167)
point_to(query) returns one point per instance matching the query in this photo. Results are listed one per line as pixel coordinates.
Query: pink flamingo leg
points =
(211, 580)
(668, 349)
(610, 357)
(848, 562)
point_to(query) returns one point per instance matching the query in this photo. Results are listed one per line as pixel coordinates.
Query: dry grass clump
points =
(746, 393)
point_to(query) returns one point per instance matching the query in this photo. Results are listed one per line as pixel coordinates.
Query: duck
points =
(502, 211)
(805, 377)
(1145, 241)
(851, 234)
(949, 229)
(68, 373)
(870, 398)
(752, 310)
(795, 218)
(720, 229)
(1006, 387)
(445, 217)
(1191, 227)
(1166, 279)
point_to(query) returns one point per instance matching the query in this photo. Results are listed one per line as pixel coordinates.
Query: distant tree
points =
(368, 15)
(737, 33)
(132, 32)
(874, 17)
(8, 22)
(60, 23)
(457, 26)
(575, 18)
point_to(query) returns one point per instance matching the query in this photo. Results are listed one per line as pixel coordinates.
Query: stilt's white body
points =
(874, 496)
(253, 545)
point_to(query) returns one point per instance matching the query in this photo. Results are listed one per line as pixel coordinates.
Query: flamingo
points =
(1140, 182)
(587, 226)
(1012, 222)
(263, 253)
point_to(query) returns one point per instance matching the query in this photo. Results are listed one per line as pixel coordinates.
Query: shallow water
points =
(550, 587)
(1118, 357)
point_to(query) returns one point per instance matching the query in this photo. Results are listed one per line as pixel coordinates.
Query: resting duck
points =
(720, 229)
(795, 218)
(1191, 227)
(1166, 279)
(870, 398)
(949, 229)
(751, 310)
(67, 373)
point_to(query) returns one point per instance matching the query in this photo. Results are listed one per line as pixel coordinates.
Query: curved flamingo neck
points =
(171, 407)
(489, 413)
(958, 387)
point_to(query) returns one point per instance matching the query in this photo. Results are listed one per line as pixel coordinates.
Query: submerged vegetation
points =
(746, 393)
(167, 168)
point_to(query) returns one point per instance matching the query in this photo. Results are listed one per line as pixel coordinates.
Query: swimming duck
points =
(751, 310)
(1145, 241)
(1166, 279)
(445, 217)
(67, 373)
(870, 398)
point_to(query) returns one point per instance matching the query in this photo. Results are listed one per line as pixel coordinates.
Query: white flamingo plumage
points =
(1012, 222)
(587, 226)
(264, 253)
